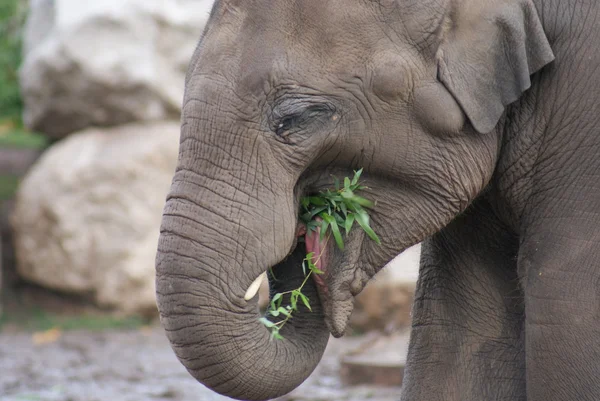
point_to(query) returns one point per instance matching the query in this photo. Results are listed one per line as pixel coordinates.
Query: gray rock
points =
(87, 215)
(106, 63)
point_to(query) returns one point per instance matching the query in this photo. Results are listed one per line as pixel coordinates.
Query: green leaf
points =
(307, 262)
(347, 194)
(276, 301)
(283, 311)
(316, 211)
(336, 183)
(315, 269)
(347, 183)
(334, 198)
(351, 205)
(310, 260)
(324, 225)
(339, 219)
(266, 322)
(344, 209)
(349, 222)
(275, 335)
(306, 217)
(357, 175)
(317, 200)
(305, 301)
(294, 299)
(337, 235)
(363, 220)
(327, 217)
(362, 201)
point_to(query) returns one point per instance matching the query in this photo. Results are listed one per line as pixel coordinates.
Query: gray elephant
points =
(473, 138)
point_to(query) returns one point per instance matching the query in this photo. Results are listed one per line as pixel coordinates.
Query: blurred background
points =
(90, 96)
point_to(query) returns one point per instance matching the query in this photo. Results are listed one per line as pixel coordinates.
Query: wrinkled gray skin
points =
(477, 124)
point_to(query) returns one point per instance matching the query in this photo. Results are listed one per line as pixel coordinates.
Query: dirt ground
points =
(137, 365)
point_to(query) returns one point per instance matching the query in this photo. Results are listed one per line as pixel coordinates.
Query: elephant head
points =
(281, 96)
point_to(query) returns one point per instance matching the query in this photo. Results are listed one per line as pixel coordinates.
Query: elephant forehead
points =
(292, 13)
(259, 42)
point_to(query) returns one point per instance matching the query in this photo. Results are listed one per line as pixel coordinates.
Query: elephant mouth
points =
(310, 241)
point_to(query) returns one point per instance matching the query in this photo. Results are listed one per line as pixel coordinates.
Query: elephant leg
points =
(467, 337)
(561, 279)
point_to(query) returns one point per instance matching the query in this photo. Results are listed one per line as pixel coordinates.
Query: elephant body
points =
(476, 123)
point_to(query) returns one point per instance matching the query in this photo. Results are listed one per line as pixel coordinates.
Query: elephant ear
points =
(489, 50)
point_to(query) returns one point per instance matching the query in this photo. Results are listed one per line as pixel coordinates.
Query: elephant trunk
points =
(217, 236)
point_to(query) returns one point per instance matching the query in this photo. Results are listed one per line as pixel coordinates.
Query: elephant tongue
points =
(314, 244)
(318, 247)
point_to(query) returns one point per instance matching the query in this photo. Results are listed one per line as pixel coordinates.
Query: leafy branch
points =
(275, 307)
(329, 210)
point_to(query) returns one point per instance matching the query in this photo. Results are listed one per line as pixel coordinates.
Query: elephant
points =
(476, 123)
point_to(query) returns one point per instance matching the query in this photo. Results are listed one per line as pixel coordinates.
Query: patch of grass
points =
(12, 17)
(12, 136)
(40, 320)
(8, 186)
(12, 133)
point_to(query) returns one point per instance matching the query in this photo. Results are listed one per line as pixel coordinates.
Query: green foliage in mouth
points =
(324, 215)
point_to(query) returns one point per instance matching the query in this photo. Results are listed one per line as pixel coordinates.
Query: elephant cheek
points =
(437, 111)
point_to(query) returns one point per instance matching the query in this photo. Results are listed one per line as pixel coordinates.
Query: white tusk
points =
(254, 287)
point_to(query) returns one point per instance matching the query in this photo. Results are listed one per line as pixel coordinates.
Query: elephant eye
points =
(284, 126)
(308, 117)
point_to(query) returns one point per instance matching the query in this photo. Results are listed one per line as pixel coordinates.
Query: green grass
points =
(8, 186)
(17, 137)
(12, 133)
(12, 17)
(40, 320)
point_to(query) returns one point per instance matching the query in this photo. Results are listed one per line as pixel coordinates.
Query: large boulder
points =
(87, 215)
(107, 62)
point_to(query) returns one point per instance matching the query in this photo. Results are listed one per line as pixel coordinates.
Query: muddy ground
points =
(137, 365)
